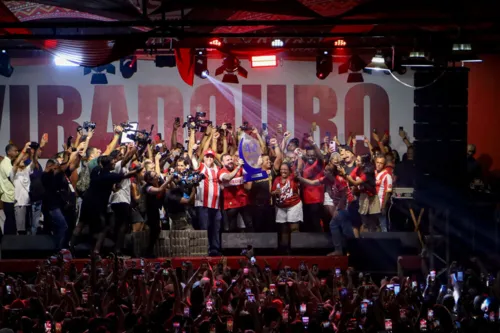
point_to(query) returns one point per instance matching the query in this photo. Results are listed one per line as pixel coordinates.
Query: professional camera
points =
(188, 179)
(228, 126)
(34, 145)
(142, 137)
(246, 126)
(196, 122)
(88, 125)
(126, 126)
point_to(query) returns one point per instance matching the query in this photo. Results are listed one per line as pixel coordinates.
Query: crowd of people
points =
(118, 296)
(135, 184)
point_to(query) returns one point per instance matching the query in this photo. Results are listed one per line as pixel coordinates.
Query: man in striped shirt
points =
(384, 189)
(207, 202)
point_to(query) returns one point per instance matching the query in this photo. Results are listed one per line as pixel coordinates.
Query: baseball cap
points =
(209, 152)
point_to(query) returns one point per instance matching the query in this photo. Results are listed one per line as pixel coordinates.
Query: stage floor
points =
(323, 262)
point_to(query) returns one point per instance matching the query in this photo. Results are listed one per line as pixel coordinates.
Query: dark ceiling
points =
(305, 25)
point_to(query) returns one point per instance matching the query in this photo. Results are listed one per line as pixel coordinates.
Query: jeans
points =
(36, 213)
(59, 226)
(210, 219)
(340, 225)
(383, 221)
(10, 219)
(123, 220)
(23, 214)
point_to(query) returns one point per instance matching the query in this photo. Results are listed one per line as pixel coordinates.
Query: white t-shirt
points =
(21, 182)
(123, 194)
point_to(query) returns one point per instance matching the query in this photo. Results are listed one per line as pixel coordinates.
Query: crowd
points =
(140, 180)
(116, 296)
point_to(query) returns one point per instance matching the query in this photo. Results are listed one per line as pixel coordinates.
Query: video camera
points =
(87, 125)
(197, 122)
(142, 137)
(188, 180)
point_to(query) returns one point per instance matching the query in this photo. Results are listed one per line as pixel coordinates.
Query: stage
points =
(324, 263)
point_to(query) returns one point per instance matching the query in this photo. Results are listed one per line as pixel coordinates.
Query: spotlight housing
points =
(231, 66)
(201, 65)
(128, 66)
(417, 59)
(324, 65)
(277, 43)
(215, 42)
(167, 60)
(464, 53)
(378, 63)
(6, 68)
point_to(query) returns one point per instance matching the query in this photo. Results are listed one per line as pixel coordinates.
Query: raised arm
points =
(277, 151)
(20, 157)
(112, 145)
(173, 136)
(227, 177)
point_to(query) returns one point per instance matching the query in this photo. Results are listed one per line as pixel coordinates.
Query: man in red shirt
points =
(234, 193)
(313, 195)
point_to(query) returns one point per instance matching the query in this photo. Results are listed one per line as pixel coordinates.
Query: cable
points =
(413, 87)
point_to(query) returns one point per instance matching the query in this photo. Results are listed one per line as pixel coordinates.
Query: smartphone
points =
(333, 146)
(48, 326)
(414, 284)
(430, 315)
(360, 138)
(388, 325)
(396, 289)
(63, 291)
(177, 327)
(364, 307)
(272, 288)
(142, 262)
(302, 266)
(248, 291)
(212, 328)
(229, 325)
(402, 313)
(390, 287)
(337, 272)
(303, 308)
(85, 297)
(433, 275)
(253, 260)
(264, 126)
(187, 313)
(460, 276)
(58, 328)
(177, 119)
(443, 288)
(251, 298)
(305, 321)
(328, 134)
(423, 325)
(9, 290)
(245, 271)
(401, 128)
(209, 306)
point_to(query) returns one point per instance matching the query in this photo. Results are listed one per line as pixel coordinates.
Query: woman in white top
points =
(20, 177)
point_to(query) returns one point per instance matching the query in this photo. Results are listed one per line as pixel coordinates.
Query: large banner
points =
(55, 100)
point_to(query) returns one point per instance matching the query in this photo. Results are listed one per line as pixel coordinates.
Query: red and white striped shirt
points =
(384, 184)
(208, 192)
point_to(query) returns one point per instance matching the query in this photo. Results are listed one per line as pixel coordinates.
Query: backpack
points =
(83, 182)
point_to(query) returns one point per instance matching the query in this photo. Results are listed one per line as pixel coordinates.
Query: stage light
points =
(263, 61)
(354, 65)
(215, 42)
(58, 61)
(231, 66)
(277, 43)
(201, 65)
(324, 65)
(99, 77)
(6, 68)
(378, 63)
(340, 43)
(464, 53)
(355, 78)
(128, 66)
(165, 60)
(417, 59)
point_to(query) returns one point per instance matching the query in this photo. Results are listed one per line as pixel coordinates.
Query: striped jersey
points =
(208, 191)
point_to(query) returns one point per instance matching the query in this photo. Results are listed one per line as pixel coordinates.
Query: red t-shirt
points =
(289, 196)
(363, 188)
(235, 195)
(336, 188)
(313, 194)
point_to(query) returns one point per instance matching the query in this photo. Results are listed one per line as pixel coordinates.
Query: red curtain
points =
(185, 64)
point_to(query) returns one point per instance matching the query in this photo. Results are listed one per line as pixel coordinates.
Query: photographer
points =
(180, 195)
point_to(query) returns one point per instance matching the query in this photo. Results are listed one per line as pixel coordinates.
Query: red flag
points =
(185, 64)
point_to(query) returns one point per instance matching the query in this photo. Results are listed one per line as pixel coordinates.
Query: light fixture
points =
(324, 65)
(58, 61)
(340, 43)
(128, 66)
(167, 60)
(263, 61)
(417, 59)
(201, 65)
(378, 63)
(277, 43)
(6, 68)
(215, 42)
(231, 66)
(99, 76)
(464, 53)
(354, 65)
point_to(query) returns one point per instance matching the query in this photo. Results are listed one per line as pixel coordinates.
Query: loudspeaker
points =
(234, 243)
(375, 255)
(27, 246)
(410, 243)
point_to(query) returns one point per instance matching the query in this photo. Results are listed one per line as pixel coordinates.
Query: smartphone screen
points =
(48, 326)
(337, 272)
(229, 325)
(360, 138)
(245, 271)
(333, 145)
(433, 275)
(388, 325)
(251, 298)
(302, 308)
(414, 284)
(264, 126)
(430, 314)
(85, 297)
(328, 134)
(209, 306)
(364, 307)
(396, 289)
(423, 325)
(63, 291)
(186, 312)
(305, 321)
(248, 291)
(460, 276)
(285, 316)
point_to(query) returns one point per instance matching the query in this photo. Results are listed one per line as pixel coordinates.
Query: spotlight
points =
(128, 66)
(201, 65)
(277, 43)
(340, 43)
(463, 53)
(58, 61)
(165, 60)
(378, 63)
(354, 65)
(215, 42)
(417, 59)
(5, 67)
(99, 77)
(231, 66)
(324, 65)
